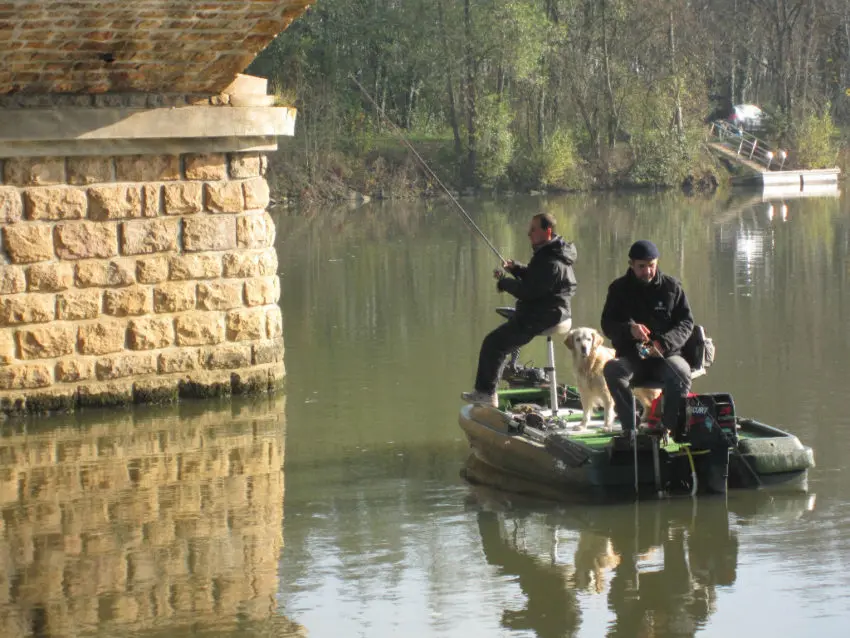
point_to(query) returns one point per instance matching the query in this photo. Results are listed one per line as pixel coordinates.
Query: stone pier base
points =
(138, 277)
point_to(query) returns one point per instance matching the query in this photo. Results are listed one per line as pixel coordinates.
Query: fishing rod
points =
(433, 175)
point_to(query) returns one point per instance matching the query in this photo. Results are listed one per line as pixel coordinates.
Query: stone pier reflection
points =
(152, 519)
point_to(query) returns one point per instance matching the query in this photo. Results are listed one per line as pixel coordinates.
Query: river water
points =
(339, 508)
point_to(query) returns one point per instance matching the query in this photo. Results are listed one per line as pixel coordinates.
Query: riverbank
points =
(385, 169)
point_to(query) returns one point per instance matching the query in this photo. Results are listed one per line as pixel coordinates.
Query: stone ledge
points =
(65, 131)
(160, 389)
(125, 123)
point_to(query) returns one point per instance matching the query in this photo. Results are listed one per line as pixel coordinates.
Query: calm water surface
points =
(181, 522)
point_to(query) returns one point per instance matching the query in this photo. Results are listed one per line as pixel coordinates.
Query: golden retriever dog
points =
(589, 357)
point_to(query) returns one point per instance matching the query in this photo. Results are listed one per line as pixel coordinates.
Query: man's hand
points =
(640, 332)
(499, 274)
(507, 265)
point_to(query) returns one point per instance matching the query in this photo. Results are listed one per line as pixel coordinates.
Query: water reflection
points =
(658, 564)
(150, 520)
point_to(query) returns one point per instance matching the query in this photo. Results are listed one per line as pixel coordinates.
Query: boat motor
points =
(707, 424)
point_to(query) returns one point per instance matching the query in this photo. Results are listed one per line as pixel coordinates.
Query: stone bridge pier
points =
(136, 254)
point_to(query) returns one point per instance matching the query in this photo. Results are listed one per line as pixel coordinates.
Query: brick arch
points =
(100, 46)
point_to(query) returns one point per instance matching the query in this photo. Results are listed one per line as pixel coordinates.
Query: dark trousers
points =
(495, 348)
(672, 375)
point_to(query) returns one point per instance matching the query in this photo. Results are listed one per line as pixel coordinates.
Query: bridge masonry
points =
(136, 252)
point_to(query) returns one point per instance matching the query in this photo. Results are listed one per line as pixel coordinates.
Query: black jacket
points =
(660, 305)
(544, 287)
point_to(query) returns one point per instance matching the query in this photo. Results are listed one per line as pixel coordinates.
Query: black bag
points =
(698, 350)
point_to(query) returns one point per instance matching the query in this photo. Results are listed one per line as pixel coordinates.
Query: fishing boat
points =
(548, 452)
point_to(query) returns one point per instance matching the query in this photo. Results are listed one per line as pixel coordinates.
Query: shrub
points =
(815, 141)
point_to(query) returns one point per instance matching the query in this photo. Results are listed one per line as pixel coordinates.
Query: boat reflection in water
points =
(658, 564)
(164, 521)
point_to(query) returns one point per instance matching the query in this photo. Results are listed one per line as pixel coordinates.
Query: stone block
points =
(268, 262)
(209, 166)
(155, 391)
(270, 351)
(131, 301)
(55, 399)
(125, 365)
(227, 357)
(12, 280)
(50, 277)
(274, 322)
(199, 329)
(262, 291)
(78, 304)
(8, 350)
(206, 385)
(11, 208)
(150, 333)
(249, 381)
(244, 165)
(24, 377)
(149, 236)
(246, 324)
(107, 394)
(224, 197)
(151, 200)
(73, 370)
(147, 168)
(255, 231)
(152, 270)
(120, 201)
(55, 202)
(90, 170)
(204, 266)
(30, 243)
(183, 198)
(85, 240)
(119, 272)
(178, 360)
(34, 171)
(27, 308)
(103, 337)
(174, 297)
(256, 193)
(46, 342)
(220, 295)
(240, 264)
(209, 233)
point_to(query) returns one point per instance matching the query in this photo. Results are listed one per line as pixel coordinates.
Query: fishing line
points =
(433, 175)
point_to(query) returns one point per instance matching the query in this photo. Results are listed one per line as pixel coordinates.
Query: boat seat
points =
(558, 329)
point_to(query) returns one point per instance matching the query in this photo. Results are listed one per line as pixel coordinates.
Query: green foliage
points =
(495, 142)
(814, 144)
(661, 157)
(560, 165)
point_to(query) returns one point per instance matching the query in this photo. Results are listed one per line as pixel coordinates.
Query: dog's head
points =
(583, 341)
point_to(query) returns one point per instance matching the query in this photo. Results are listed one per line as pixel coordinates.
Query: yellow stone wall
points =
(136, 278)
(150, 520)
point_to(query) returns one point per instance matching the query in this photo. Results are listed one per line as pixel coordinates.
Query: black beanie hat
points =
(643, 249)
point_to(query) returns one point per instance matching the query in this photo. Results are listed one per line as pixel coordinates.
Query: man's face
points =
(644, 269)
(538, 235)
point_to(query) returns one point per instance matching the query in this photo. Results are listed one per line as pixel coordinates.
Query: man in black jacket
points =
(543, 290)
(648, 319)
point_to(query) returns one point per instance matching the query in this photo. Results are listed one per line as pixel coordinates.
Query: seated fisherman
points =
(543, 290)
(648, 320)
